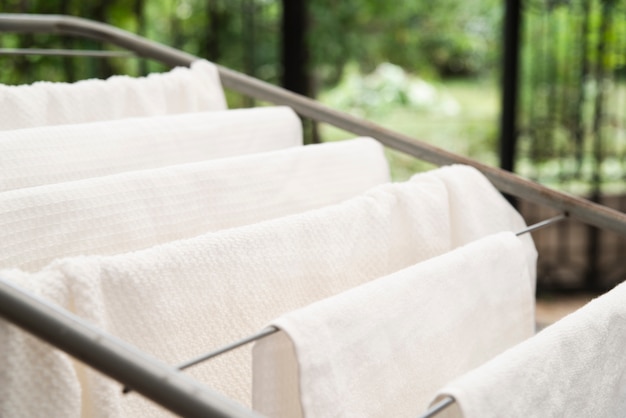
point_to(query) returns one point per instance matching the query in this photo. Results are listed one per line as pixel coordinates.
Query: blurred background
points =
(444, 72)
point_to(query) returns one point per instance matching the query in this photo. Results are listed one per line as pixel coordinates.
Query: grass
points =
(470, 131)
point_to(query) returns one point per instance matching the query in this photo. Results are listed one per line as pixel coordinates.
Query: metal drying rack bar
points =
(65, 53)
(162, 383)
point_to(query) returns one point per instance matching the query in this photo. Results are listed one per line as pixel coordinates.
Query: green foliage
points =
(443, 38)
(573, 59)
(388, 87)
(470, 130)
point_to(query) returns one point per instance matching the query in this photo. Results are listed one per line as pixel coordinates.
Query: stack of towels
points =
(147, 208)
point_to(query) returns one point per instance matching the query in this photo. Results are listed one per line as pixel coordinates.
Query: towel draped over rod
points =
(271, 330)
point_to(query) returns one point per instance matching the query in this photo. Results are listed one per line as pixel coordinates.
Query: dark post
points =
(295, 57)
(510, 71)
(294, 54)
(249, 15)
(212, 27)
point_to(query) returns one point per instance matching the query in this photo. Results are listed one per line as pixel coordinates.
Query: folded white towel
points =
(44, 103)
(573, 368)
(135, 210)
(384, 348)
(184, 298)
(55, 154)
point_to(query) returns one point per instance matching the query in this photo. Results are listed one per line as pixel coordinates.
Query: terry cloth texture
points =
(384, 348)
(135, 210)
(35, 379)
(61, 153)
(180, 90)
(574, 368)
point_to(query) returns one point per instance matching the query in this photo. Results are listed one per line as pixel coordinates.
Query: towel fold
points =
(135, 210)
(181, 299)
(56, 154)
(384, 348)
(477, 209)
(43, 103)
(573, 368)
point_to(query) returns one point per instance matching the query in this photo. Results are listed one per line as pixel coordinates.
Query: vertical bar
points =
(510, 70)
(248, 16)
(294, 53)
(599, 153)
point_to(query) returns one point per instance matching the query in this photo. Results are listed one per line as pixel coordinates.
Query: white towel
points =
(135, 210)
(184, 298)
(573, 368)
(477, 209)
(43, 103)
(35, 380)
(384, 348)
(55, 154)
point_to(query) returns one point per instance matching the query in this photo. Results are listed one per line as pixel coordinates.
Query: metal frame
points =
(66, 53)
(438, 407)
(161, 383)
(578, 208)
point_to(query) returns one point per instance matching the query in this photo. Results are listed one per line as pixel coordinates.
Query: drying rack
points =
(157, 381)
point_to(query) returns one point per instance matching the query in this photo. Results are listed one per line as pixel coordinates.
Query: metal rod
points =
(438, 407)
(204, 357)
(261, 334)
(161, 383)
(66, 52)
(578, 208)
(75, 26)
(543, 224)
